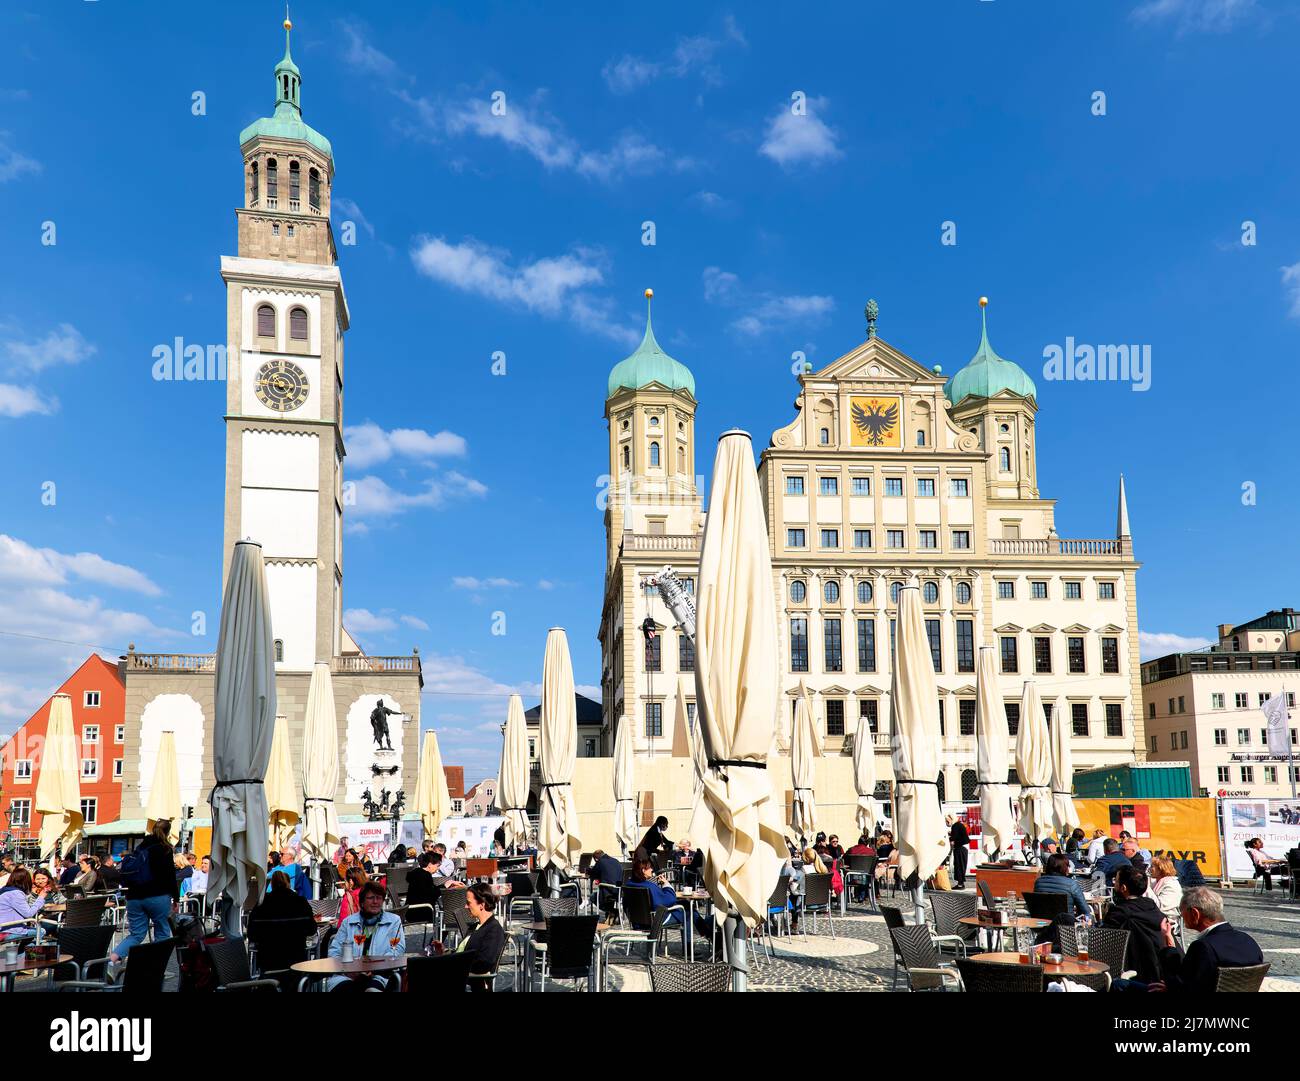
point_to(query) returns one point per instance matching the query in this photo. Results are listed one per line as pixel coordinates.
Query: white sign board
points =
(475, 832)
(1275, 821)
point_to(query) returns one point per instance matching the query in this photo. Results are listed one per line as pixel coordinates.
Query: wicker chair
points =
(571, 946)
(894, 919)
(926, 970)
(146, 967)
(448, 903)
(1046, 906)
(690, 979)
(1249, 978)
(816, 901)
(328, 906)
(231, 968)
(1069, 940)
(861, 870)
(979, 975)
(88, 947)
(949, 908)
(990, 902)
(84, 912)
(1110, 945)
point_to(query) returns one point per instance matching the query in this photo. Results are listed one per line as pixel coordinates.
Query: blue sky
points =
(523, 234)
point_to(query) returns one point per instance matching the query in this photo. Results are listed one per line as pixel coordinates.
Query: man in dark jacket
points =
(1219, 945)
(1112, 861)
(960, 838)
(420, 886)
(1142, 919)
(280, 926)
(656, 840)
(605, 871)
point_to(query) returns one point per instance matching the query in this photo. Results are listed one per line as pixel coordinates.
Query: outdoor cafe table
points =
(1015, 926)
(691, 898)
(324, 967)
(1067, 966)
(9, 969)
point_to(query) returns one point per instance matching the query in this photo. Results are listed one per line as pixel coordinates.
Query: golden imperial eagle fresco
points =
(875, 422)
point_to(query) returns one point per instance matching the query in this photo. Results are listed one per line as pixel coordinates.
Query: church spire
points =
(288, 79)
(1121, 518)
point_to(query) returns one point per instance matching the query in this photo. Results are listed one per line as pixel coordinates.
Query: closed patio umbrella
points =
(58, 789)
(558, 845)
(1034, 765)
(1064, 817)
(921, 832)
(512, 788)
(625, 824)
(864, 776)
(804, 752)
(281, 794)
(737, 687)
(165, 790)
(699, 757)
(432, 797)
(242, 730)
(320, 767)
(992, 758)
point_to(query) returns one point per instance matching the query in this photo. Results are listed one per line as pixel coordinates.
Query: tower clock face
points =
(281, 385)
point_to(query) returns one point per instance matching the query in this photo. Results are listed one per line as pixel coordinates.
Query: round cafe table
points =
(1068, 966)
(691, 898)
(1015, 926)
(9, 969)
(324, 967)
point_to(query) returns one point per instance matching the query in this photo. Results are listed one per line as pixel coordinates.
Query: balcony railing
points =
(171, 662)
(376, 664)
(1052, 546)
(660, 542)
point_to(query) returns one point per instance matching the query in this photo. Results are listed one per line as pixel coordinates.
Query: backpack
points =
(135, 868)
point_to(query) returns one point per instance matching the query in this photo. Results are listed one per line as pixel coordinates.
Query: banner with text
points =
(1275, 821)
(1186, 829)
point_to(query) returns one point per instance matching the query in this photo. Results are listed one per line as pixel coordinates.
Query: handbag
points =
(837, 879)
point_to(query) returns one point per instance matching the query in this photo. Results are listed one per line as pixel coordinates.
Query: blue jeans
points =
(139, 915)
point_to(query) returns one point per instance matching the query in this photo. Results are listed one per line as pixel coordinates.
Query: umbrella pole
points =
(917, 893)
(736, 941)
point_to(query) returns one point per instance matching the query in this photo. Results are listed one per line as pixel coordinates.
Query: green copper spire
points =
(987, 373)
(287, 122)
(650, 364)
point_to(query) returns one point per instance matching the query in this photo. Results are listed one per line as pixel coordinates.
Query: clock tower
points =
(286, 315)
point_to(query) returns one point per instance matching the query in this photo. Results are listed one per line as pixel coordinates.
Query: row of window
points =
(1178, 740)
(1240, 700)
(958, 487)
(89, 769)
(1247, 774)
(297, 322)
(869, 717)
(926, 539)
(295, 186)
(865, 592)
(22, 811)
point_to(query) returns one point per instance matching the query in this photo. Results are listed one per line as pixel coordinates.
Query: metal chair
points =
(395, 883)
(986, 893)
(690, 979)
(1110, 945)
(571, 946)
(862, 869)
(894, 919)
(926, 970)
(1069, 940)
(1046, 906)
(817, 901)
(84, 912)
(949, 909)
(146, 968)
(1248, 978)
(640, 910)
(327, 906)
(231, 967)
(486, 981)
(447, 973)
(778, 904)
(977, 975)
(449, 901)
(523, 884)
(89, 948)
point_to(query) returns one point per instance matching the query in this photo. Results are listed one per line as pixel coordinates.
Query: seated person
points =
(1219, 945)
(1056, 879)
(373, 933)
(1095, 849)
(864, 847)
(1266, 866)
(398, 856)
(483, 945)
(605, 870)
(199, 879)
(1134, 855)
(661, 894)
(287, 867)
(421, 888)
(1141, 917)
(87, 874)
(15, 907)
(69, 872)
(281, 925)
(1046, 850)
(446, 865)
(1112, 861)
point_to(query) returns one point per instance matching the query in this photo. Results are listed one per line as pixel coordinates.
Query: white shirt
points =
(1096, 849)
(447, 868)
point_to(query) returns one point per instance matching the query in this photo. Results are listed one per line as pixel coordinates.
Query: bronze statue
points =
(379, 724)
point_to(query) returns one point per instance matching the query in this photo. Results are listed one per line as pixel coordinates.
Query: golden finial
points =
(287, 24)
(649, 293)
(984, 302)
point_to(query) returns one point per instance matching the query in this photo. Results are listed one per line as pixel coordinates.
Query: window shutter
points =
(647, 809)
(266, 321)
(298, 325)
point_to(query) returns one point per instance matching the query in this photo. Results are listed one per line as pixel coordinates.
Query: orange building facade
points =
(99, 722)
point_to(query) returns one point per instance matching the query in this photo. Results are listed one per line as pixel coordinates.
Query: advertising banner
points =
(1186, 829)
(376, 838)
(1275, 821)
(475, 832)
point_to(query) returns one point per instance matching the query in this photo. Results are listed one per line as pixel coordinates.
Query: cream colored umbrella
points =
(625, 824)
(432, 797)
(804, 752)
(992, 758)
(165, 789)
(512, 786)
(921, 832)
(738, 821)
(320, 767)
(864, 776)
(558, 844)
(58, 789)
(242, 729)
(281, 795)
(699, 756)
(1034, 765)
(1064, 817)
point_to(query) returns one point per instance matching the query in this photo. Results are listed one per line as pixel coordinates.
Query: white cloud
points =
(713, 202)
(363, 621)
(65, 345)
(375, 498)
(691, 55)
(468, 582)
(553, 285)
(1215, 16)
(415, 622)
(1291, 283)
(14, 164)
(545, 584)
(368, 444)
(23, 564)
(16, 401)
(363, 56)
(1153, 644)
(349, 209)
(804, 138)
(764, 311)
(628, 73)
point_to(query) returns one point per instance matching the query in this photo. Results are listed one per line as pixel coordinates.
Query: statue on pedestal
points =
(379, 724)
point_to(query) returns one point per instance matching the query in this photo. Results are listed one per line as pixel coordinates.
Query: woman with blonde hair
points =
(812, 863)
(1164, 888)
